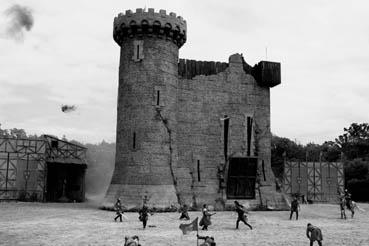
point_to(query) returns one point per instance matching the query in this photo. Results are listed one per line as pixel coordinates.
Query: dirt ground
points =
(84, 224)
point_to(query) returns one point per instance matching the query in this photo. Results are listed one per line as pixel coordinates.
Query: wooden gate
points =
(241, 178)
(22, 169)
(317, 181)
(8, 174)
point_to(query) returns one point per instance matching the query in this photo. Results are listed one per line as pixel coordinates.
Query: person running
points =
(184, 213)
(206, 216)
(144, 215)
(295, 208)
(119, 210)
(314, 234)
(240, 209)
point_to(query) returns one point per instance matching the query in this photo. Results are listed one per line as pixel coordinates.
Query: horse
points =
(351, 205)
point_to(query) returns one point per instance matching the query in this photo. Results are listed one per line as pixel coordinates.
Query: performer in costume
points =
(314, 234)
(144, 215)
(206, 218)
(184, 213)
(119, 210)
(295, 208)
(240, 209)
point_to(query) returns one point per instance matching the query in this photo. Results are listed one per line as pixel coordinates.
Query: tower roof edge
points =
(150, 22)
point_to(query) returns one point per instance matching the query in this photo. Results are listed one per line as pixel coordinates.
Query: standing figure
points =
(295, 208)
(206, 216)
(240, 209)
(119, 210)
(144, 215)
(303, 198)
(314, 234)
(348, 199)
(342, 207)
(184, 213)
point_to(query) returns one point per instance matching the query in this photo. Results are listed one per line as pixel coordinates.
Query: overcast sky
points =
(69, 57)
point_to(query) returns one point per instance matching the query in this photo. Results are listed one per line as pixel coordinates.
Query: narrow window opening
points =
(157, 98)
(249, 132)
(134, 141)
(198, 171)
(138, 52)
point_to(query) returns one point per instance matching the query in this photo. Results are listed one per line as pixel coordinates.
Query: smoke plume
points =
(20, 20)
(68, 108)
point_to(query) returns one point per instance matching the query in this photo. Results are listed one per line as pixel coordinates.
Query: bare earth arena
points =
(83, 224)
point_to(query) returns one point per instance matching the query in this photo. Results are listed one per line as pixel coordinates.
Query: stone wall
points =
(203, 101)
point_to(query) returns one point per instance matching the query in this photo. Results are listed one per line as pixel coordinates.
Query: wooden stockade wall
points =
(318, 181)
(23, 165)
(190, 68)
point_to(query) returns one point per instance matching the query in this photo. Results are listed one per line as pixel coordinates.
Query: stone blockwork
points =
(203, 101)
(146, 122)
(169, 128)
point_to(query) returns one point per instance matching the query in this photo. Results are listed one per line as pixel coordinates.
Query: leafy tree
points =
(356, 169)
(354, 142)
(13, 133)
(18, 133)
(284, 148)
(4, 132)
(331, 151)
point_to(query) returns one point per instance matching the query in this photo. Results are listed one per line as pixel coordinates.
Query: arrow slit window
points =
(137, 50)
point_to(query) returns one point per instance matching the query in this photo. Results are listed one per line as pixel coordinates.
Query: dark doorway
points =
(65, 182)
(241, 178)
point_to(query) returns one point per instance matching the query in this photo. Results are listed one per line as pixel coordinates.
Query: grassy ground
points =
(84, 224)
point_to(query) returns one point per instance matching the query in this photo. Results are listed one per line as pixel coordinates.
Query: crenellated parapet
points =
(150, 23)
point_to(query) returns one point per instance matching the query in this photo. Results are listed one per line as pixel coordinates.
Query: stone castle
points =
(189, 131)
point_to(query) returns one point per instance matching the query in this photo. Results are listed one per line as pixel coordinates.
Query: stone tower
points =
(147, 105)
(189, 131)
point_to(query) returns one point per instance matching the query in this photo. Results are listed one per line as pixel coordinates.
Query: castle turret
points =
(146, 151)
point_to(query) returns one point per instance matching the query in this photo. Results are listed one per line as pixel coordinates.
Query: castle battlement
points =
(188, 131)
(150, 23)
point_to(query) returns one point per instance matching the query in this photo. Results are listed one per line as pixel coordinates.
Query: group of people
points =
(143, 213)
(312, 232)
(206, 215)
(204, 222)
